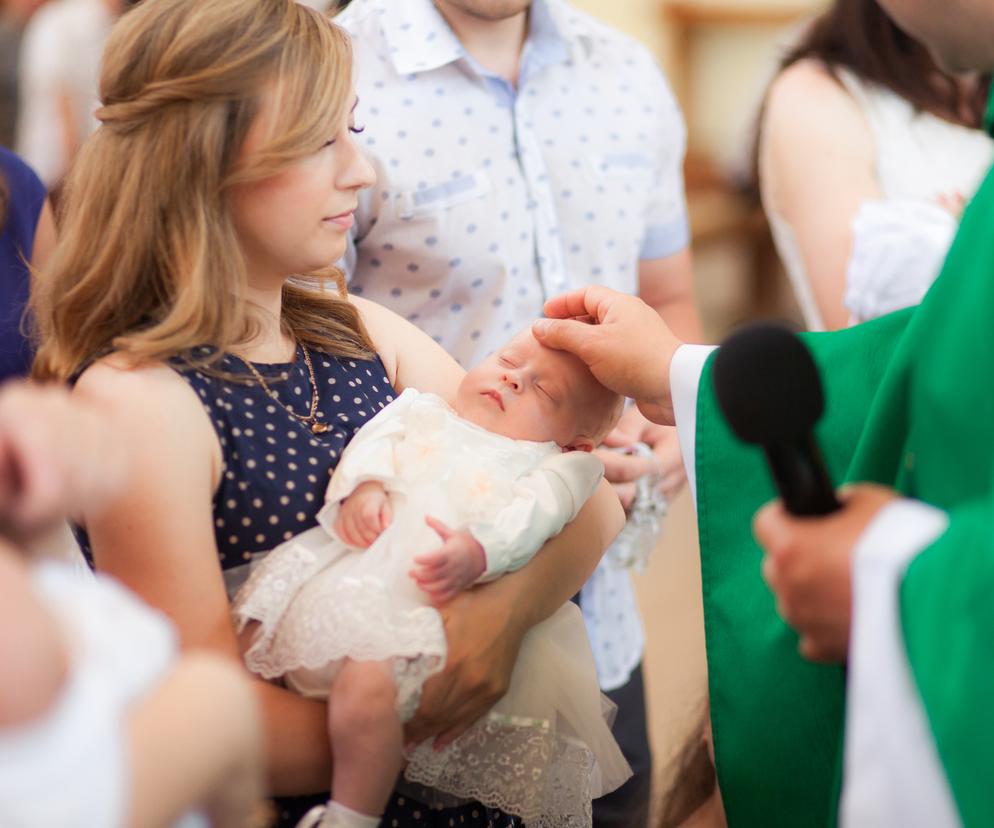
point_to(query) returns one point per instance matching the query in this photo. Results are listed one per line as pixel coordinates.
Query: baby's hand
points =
(446, 572)
(364, 515)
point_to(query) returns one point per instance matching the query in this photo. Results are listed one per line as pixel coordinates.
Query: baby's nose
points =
(511, 381)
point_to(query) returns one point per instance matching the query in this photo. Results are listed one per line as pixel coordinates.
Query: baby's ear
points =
(580, 444)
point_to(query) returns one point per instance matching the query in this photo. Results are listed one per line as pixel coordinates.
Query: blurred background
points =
(719, 56)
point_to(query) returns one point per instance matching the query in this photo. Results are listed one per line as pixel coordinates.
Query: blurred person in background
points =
(59, 70)
(14, 16)
(868, 151)
(27, 233)
(523, 148)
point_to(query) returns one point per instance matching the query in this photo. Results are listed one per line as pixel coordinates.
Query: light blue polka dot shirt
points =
(492, 198)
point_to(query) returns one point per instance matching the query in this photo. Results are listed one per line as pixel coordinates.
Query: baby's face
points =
(528, 392)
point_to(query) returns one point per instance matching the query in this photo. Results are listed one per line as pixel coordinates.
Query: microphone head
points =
(767, 384)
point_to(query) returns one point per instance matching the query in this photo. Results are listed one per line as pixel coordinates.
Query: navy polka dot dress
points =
(272, 486)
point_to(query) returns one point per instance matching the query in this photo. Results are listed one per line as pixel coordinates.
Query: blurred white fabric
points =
(59, 83)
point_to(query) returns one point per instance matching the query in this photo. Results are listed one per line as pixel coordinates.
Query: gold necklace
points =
(311, 420)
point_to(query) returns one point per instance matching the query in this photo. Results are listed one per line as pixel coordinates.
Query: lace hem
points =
(307, 621)
(519, 765)
(351, 620)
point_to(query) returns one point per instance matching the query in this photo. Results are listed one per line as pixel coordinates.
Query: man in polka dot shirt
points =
(524, 149)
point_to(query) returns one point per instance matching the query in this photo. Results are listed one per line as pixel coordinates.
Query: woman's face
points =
(297, 221)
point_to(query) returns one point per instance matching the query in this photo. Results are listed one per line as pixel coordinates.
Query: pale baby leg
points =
(366, 738)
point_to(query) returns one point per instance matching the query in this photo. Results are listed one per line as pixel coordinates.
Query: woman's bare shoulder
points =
(150, 392)
(806, 99)
(412, 358)
(117, 378)
(814, 137)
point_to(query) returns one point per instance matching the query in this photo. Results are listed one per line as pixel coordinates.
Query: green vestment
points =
(910, 404)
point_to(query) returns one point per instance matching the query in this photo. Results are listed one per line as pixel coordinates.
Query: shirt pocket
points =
(444, 195)
(629, 167)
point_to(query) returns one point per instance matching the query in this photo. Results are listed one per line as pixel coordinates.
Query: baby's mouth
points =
(495, 397)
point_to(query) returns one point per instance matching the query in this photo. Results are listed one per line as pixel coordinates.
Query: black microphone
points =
(768, 388)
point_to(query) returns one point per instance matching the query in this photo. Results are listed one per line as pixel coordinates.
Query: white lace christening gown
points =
(545, 750)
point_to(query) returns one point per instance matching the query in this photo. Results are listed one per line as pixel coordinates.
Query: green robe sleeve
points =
(777, 719)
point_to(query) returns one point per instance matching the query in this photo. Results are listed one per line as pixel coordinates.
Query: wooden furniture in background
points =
(721, 209)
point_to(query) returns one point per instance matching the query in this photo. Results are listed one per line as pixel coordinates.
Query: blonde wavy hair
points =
(148, 261)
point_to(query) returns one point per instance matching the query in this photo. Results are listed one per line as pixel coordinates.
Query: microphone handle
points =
(800, 475)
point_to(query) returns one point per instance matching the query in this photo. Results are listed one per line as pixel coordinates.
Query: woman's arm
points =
(484, 626)
(158, 539)
(816, 167)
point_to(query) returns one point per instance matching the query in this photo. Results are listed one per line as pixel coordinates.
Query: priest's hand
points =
(623, 341)
(808, 565)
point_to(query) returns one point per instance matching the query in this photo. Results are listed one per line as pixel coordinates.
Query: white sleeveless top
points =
(899, 243)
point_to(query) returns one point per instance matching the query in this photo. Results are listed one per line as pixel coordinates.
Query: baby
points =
(493, 477)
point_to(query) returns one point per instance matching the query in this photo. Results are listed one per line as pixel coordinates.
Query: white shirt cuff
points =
(893, 777)
(685, 377)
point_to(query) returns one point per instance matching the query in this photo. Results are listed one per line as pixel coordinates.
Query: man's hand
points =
(447, 571)
(623, 341)
(808, 565)
(58, 458)
(483, 643)
(364, 515)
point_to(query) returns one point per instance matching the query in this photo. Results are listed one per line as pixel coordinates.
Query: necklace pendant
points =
(319, 428)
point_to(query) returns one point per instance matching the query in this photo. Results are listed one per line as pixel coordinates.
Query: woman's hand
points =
(484, 626)
(483, 642)
(808, 565)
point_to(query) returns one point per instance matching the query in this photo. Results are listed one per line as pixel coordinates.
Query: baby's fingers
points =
(342, 528)
(443, 531)
(356, 531)
(432, 560)
(386, 514)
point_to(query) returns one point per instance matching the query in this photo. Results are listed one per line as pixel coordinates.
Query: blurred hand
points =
(445, 572)
(953, 202)
(364, 515)
(808, 565)
(58, 457)
(623, 341)
(623, 470)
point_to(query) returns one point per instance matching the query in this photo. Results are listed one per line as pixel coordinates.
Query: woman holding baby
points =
(222, 177)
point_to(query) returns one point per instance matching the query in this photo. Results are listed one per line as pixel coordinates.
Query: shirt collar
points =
(420, 40)
(418, 37)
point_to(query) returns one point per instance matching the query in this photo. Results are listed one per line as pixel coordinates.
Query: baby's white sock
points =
(338, 816)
